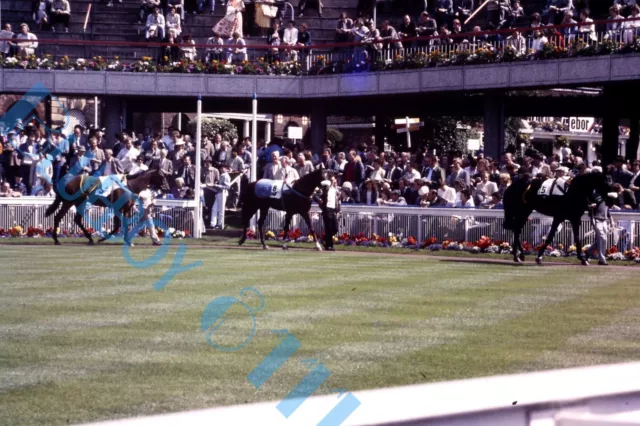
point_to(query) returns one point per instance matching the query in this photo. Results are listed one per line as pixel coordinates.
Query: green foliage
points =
(214, 126)
(443, 135)
(334, 135)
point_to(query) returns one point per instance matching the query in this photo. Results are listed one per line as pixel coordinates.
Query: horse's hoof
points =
(265, 247)
(101, 240)
(91, 243)
(585, 262)
(241, 242)
(517, 260)
(57, 243)
(522, 257)
(284, 247)
(539, 260)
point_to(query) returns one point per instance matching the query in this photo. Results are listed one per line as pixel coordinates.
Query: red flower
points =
(412, 241)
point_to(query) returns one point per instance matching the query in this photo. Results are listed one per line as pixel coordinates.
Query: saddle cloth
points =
(553, 187)
(109, 183)
(267, 188)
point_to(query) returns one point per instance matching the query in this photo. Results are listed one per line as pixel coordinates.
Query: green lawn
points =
(85, 337)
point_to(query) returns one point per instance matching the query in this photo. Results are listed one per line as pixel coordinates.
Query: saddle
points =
(554, 188)
(267, 188)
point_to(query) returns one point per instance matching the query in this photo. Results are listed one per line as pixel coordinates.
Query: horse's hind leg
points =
(576, 236)
(247, 213)
(56, 221)
(263, 218)
(285, 237)
(78, 220)
(549, 240)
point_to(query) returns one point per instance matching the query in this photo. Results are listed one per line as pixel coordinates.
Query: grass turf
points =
(85, 337)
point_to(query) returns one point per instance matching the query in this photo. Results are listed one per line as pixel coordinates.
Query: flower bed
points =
(37, 232)
(436, 58)
(484, 245)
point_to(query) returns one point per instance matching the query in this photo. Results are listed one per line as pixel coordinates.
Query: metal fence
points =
(30, 212)
(459, 224)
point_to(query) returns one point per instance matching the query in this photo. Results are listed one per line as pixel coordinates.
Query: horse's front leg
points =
(78, 221)
(307, 219)
(575, 224)
(263, 218)
(516, 249)
(287, 224)
(549, 240)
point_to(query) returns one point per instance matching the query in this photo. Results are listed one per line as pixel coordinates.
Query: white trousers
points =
(148, 221)
(600, 243)
(217, 217)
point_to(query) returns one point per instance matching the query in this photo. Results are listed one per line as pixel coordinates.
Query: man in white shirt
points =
(214, 48)
(236, 53)
(127, 156)
(174, 27)
(27, 42)
(290, 38)
(273, 169)
(146, 197)
(5, 46)
(222, 187)
(330, 206)
(286, 172)
(155, 25)
(447, 193)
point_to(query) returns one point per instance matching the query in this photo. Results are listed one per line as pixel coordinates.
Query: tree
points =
(214, 126)
(444, 135)
(334, 135)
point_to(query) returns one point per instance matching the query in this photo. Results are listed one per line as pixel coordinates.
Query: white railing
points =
(607, 395)
(457, 224)
(30, 212)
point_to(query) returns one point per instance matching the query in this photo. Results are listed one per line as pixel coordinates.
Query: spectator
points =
(304, 40)
(232, 21)
(635, 182)
(7, 192)
(40, 12)
(214, 48)
(303, 166)
(302, 4)
(146, 8)
(127, 156)
(19, 186)
(180, 6)
(465, 202)
(222, 188)
(408, 28)
(515, 15)
(626, 199)
(165, 164)
(60, 13)
(286, 172)
(360, 33)
(188, 48)
(632, 28)
(180, 191)
(587, 32)
(625, 6)
(389, 35)
(343, 28)
(484, 189)
(396, 199)
(517, 42)
(463, 9)
(96, 156)
(139, 166)
(290, 38)
(427, 27)
(505, 182)
(447, 193)
(174, 27)
(556, 9)
(273, 169)
(6, 46)
(187, 172)
(369, 194)
(613, 29)
(353, 170)
(539, 41)
(30, 43)
(444, 12)
(155, 25)
(111, 165)
(236, 53)
(496, 13)
(274, 38)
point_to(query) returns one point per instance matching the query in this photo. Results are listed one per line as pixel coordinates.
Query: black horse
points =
(521, 199)
(82, 190)
(295, 199)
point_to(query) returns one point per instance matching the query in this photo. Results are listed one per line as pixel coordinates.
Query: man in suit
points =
(96, 156)
(272, 170)
(620, 174)
(165, 164)
(330, 206)
(328, 163)
(77, 138)
(110, 165)
(221, 156)
(210, 177)
(28, 152)
(394, 173)
(458, 173)
(433, 173)
(188, 172)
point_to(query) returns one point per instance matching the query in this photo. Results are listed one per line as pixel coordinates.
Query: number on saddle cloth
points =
(553, 187)
(266, 188)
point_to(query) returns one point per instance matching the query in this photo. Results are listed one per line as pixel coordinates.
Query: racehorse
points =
(294, 199)
(82, 190)
(522, 198)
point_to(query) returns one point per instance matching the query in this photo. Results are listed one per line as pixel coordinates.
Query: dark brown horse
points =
(295, 199)
(79, 191)
(521, 199)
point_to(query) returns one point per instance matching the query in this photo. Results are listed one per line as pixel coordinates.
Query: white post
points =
(95, 112)
(590, 153)
(197, 231)
(245, 130)
(254, 149)
(408, 134)
(267, 132)
(180, 122)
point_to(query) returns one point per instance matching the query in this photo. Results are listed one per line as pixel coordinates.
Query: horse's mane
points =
(308, 182)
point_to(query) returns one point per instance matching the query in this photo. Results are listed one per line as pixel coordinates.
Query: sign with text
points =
(294, 133)
(581, 124)
(473, 144)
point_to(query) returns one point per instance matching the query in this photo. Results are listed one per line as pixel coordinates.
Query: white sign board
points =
(473, 144)
(404, 120)
(295, 133)
(581, 124)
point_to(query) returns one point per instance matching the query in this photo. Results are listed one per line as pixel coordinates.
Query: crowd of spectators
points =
(365, 174)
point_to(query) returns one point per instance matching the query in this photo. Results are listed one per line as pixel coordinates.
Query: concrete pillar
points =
(112, 121)
(632, 143)
(246, 131)
(590, 155)
(380, 130)
(267, 132)
(318, 127)
(610, 125)
(493, 125)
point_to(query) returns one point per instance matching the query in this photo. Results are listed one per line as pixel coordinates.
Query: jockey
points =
(146, 197)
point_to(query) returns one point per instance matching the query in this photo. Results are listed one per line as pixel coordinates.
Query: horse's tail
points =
(54, 206)
(509, 208)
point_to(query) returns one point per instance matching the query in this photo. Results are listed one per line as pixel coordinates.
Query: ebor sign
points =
(581, 124)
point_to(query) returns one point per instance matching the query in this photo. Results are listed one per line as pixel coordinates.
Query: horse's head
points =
(590, 182)
(309, 182)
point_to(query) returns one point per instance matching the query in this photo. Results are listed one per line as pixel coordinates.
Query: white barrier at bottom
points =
(605, 395)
